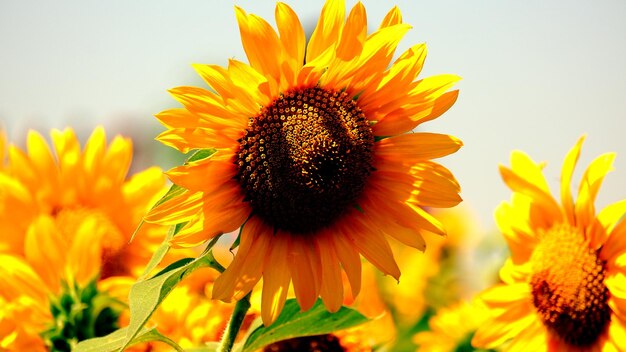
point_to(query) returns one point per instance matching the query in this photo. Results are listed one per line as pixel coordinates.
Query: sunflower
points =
(563, 286)
(452, 328)
(65, 223)
(314, 155)
(65, 192)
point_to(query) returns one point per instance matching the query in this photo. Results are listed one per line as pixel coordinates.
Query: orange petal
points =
(206, 175)
(276, 280)
(350, 261)
(260, 43)
(209, 224)
(305, 282)
(353, 34)
(292, 37)
(393, 17)
(225, 283)
(331, 290)
(412, 147)
(370, 242)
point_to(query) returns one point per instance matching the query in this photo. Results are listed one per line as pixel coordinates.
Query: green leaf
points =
(145, 296)
(159, 254)
(115, 341)
(293, 323)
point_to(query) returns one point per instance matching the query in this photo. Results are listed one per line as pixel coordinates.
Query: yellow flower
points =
(314, 155)
(63, 194)
(563, 286)
(452, 327)
(66, 220)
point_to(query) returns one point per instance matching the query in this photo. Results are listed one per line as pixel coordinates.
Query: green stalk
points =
(234, 325)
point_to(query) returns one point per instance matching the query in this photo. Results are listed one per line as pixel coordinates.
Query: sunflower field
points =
(304, 192)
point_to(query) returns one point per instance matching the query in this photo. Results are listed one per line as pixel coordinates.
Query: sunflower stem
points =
(234, 325)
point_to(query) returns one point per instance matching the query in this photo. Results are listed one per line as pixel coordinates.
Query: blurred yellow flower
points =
(437, 278)
(563, 286)
(452, 328)
(66, 217)
(65, 193)
(313, 156)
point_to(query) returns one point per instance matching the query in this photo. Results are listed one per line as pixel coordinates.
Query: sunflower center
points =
(305, 159)
(568, 286)
(317, 343)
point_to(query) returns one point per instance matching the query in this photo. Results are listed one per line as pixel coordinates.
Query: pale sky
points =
(536, 74)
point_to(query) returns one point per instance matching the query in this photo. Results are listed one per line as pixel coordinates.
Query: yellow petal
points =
(615, 245)
(18, 278)
(250, 79)
(518, 184)
(526, 168)
(94, 151)
(46, 250)
(327, 30)
(589, 186)
(235, 97)
(508, 324)
(84, 257)
(39, 153)
(398, 79)
(404, 119)
(566, 179)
